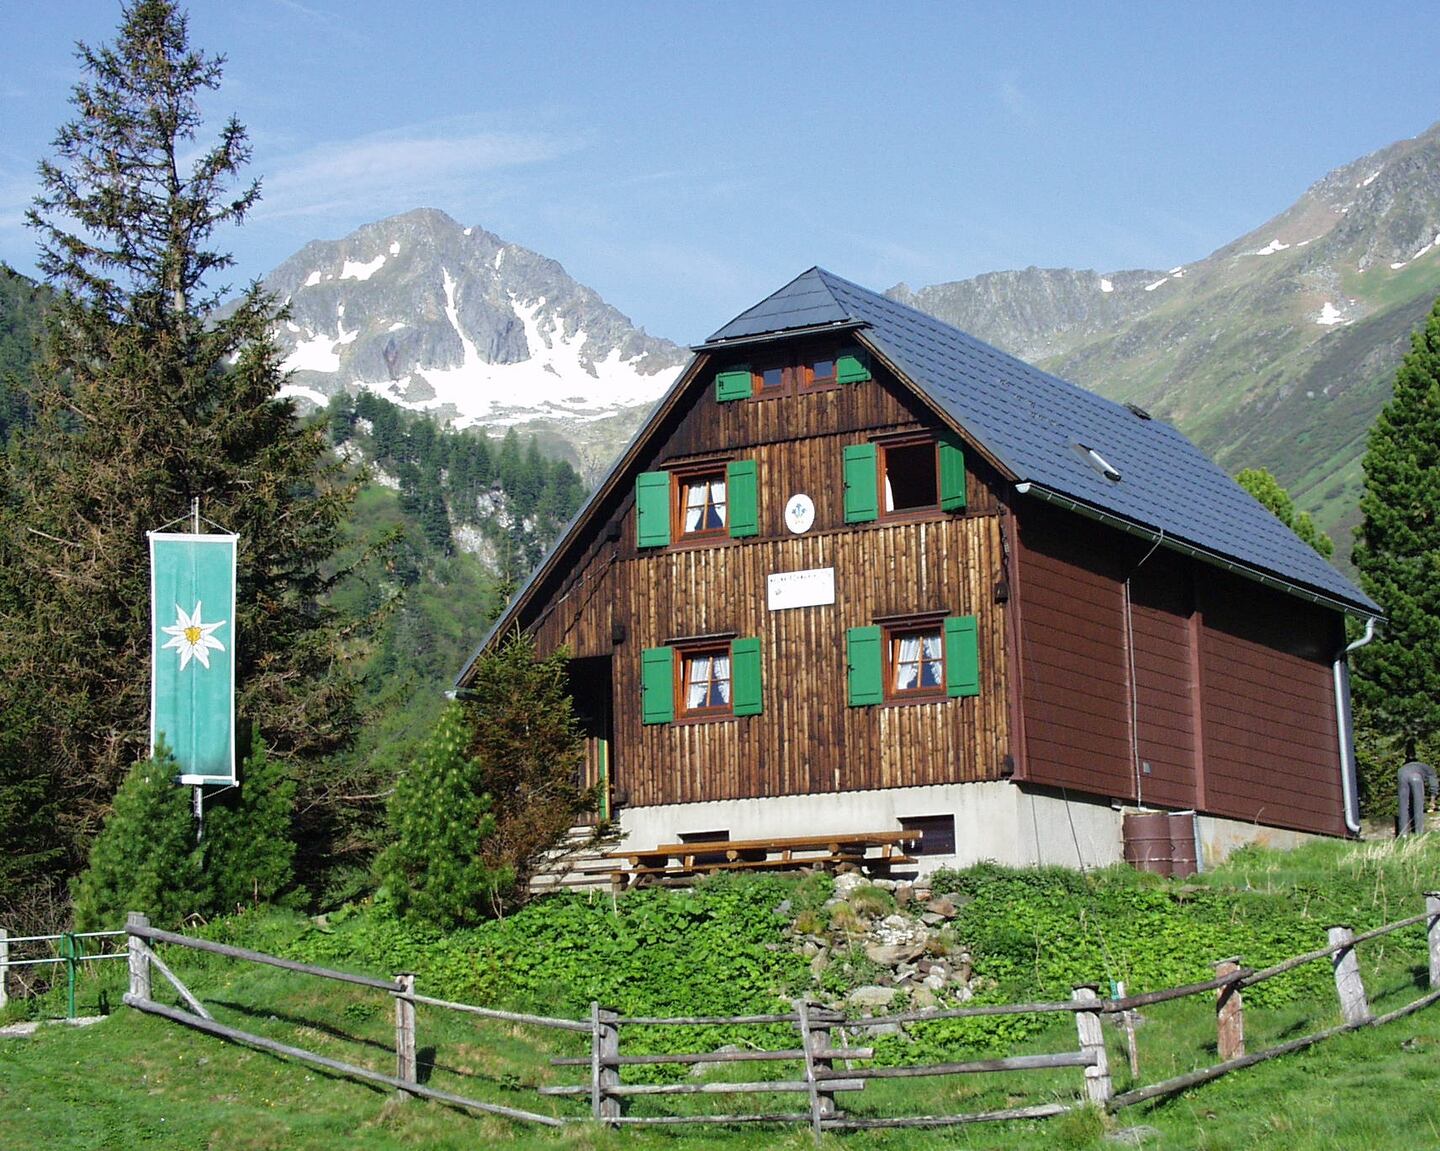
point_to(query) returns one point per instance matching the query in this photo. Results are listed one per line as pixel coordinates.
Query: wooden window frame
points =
(681, 480)
(797, 374)
(685, 654)
(892, 632)
(882, 457)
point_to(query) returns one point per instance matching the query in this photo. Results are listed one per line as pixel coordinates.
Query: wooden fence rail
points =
(825, 1067)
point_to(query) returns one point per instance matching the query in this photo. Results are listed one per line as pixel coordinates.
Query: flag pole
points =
(198, 798)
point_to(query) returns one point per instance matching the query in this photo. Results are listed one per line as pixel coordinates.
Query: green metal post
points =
(69, 948)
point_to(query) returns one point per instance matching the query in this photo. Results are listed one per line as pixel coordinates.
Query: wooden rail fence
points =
(825, 1050)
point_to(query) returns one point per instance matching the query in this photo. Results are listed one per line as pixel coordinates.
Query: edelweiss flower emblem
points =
(192, 638)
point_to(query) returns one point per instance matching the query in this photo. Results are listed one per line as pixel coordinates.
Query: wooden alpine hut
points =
(863, 573)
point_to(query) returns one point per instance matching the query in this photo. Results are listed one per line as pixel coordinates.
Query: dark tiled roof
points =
(1032, 422)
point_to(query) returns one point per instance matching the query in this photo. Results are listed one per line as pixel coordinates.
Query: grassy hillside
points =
(730, 947)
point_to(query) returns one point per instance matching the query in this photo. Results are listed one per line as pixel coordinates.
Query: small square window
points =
(772, 380)
(819, 372)
(915, 661)
(705, 680)
(937, 833)
(702, 504)
(910, 476)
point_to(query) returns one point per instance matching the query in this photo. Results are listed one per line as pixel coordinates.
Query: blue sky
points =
(685, 159)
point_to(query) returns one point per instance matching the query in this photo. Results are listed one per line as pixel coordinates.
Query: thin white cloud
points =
(392, 171)
(1013, 98)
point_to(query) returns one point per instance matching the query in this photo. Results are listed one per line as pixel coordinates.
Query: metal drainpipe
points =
(1344, 728)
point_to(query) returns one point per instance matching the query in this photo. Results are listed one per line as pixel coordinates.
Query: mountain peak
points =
(462, 324)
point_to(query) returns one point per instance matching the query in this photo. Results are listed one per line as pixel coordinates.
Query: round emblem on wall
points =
(799, 513)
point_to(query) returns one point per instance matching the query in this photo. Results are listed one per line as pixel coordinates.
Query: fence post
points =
(5, 968)
(1098, 1087)
(1432, 909)
(604, 1070)
(1354, 1008)
(405, 1068)
(1229, 1013)
(139, 962)
(815, 1038)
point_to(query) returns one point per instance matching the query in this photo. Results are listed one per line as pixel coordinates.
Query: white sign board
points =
(811, 588)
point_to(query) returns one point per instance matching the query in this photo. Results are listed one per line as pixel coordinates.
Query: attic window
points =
(1098, 462)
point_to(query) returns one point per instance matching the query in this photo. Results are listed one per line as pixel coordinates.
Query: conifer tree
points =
(149, 396)
(1397, 551)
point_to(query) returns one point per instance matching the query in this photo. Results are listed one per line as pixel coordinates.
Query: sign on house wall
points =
(192, 653)
(812, 588)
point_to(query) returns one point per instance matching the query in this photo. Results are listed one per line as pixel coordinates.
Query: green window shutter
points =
(952, 476)
(852, 366)
(962, 656)
(745, 683)
(861, 488)
(733, 384)
(862, 652)
(657, 684)
(743, 510)
(652, 509)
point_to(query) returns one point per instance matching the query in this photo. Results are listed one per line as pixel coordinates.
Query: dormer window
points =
(792, 371)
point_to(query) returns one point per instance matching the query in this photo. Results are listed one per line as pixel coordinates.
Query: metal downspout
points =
(1345, 728)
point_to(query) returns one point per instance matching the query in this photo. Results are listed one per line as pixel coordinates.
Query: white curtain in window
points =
(889, 495)
(932, 660)
(694, 506)
(907, 667)
(699, 683)
(717, 504)
(722, 680)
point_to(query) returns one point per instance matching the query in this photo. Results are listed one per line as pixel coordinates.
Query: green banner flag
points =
(192, 653)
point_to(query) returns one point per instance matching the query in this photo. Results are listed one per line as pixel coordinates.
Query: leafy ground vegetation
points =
(729, 947)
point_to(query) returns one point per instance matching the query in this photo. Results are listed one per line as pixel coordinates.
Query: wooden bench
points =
(808, 851)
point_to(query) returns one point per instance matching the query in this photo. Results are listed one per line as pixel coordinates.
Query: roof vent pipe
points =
(1345, 728)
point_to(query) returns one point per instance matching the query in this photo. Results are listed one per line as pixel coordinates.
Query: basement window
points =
(937, 831)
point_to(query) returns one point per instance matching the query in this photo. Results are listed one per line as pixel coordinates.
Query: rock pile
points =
(898, 935)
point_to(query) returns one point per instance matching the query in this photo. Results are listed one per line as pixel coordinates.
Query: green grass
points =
(133, 1079)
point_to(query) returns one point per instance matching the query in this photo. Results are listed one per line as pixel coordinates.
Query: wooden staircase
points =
(579, 862)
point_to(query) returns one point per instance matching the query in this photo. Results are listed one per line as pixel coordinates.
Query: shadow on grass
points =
(298, 1021)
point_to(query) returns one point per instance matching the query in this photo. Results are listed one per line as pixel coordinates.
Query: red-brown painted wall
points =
(1232, 701)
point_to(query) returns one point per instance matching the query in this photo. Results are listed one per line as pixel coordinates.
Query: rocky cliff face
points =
(458, 323)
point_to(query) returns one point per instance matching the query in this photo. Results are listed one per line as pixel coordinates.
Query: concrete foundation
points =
(1004, 822)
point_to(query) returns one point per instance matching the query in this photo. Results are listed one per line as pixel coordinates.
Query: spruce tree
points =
(1398, 552)
(150, 395)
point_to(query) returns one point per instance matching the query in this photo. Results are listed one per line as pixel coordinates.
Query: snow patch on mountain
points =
(1156, 284)
(355, 270)
(1106, 285)
(1330, 315)
(1275, 245)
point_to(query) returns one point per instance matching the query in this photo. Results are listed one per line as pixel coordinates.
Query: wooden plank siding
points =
(619, 599)
(1075, 695)
(1271, 749)
(1160, 603)
(1232, 696)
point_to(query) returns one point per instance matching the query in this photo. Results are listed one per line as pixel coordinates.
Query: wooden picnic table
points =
(704, 856)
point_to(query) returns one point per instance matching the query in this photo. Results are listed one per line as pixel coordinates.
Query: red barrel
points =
(1147, 841)
(1183, 857)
